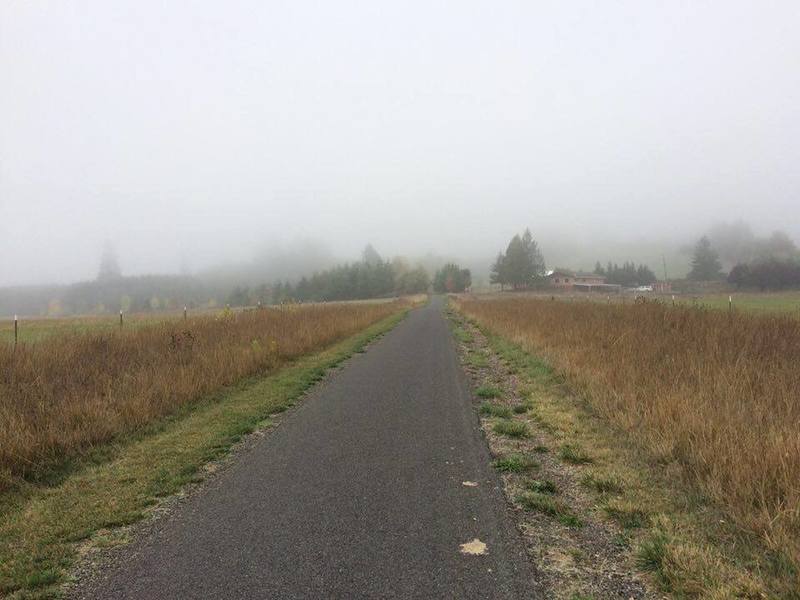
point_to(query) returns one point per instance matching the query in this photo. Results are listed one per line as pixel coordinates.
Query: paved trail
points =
(357, 494)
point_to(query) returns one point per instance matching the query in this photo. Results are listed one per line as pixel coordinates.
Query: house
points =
(564, 279)
(561, 278)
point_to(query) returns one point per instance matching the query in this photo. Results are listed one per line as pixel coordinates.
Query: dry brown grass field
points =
(716, 393)
(66, 393)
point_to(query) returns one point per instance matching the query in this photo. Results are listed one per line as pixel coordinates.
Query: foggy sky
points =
(196, 133)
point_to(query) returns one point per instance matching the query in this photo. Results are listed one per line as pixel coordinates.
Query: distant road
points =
(357, 494)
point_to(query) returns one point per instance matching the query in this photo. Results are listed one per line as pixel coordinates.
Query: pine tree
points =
(521, 265)
(705, 262)
(370, 256)
(498, 274)
(452, 278)
(534, 267)
(109, 266)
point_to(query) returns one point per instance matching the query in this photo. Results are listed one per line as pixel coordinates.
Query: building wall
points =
(562, 282)
(590, 280)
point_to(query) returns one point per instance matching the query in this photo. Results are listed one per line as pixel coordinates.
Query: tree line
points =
(451, 278)
(627, 275)
(371, 277)
(776, 267)
(770, 274)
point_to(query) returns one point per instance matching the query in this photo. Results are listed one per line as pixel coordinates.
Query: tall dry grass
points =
(718, 393)
(67, 393)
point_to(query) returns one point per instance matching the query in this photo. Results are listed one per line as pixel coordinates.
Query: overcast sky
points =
(199, 130)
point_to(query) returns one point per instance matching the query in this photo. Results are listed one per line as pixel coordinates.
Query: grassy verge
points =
(44, 526)
(687, 546)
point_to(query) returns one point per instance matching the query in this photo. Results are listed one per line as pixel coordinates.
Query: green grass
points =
(477, 360)
(514, 463)
(494, 410)
(542, 486)
(767, 302)
(651, 553)
(627, 515)
(514, 429)
(42, 523)
(461, 334)
(574, 454)
(36, 329)
(488, 392)
(520, 409)
(546, 504)
(603, 484)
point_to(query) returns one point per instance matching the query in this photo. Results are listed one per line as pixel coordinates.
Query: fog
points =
(194, 135)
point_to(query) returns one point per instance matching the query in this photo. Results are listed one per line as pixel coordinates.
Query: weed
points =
(574, 454)
(547, 505)
(651, 552)
(627, 515)
(603, 484)
(43, 578)
(462, 335)
(488, 391)
(543, 487)
(514, 429)
(477, 360)
(621, 541)
(514, 463)
(494, 410)
(520, 409)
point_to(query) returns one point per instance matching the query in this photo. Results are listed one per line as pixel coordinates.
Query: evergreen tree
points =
(516, 262)
(370, 256)
(498, 274)
(534, 263)
(705, 262)
(109, 266)
(521, 265)
(451, 279)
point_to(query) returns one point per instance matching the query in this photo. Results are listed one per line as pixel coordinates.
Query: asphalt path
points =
(358, 493)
